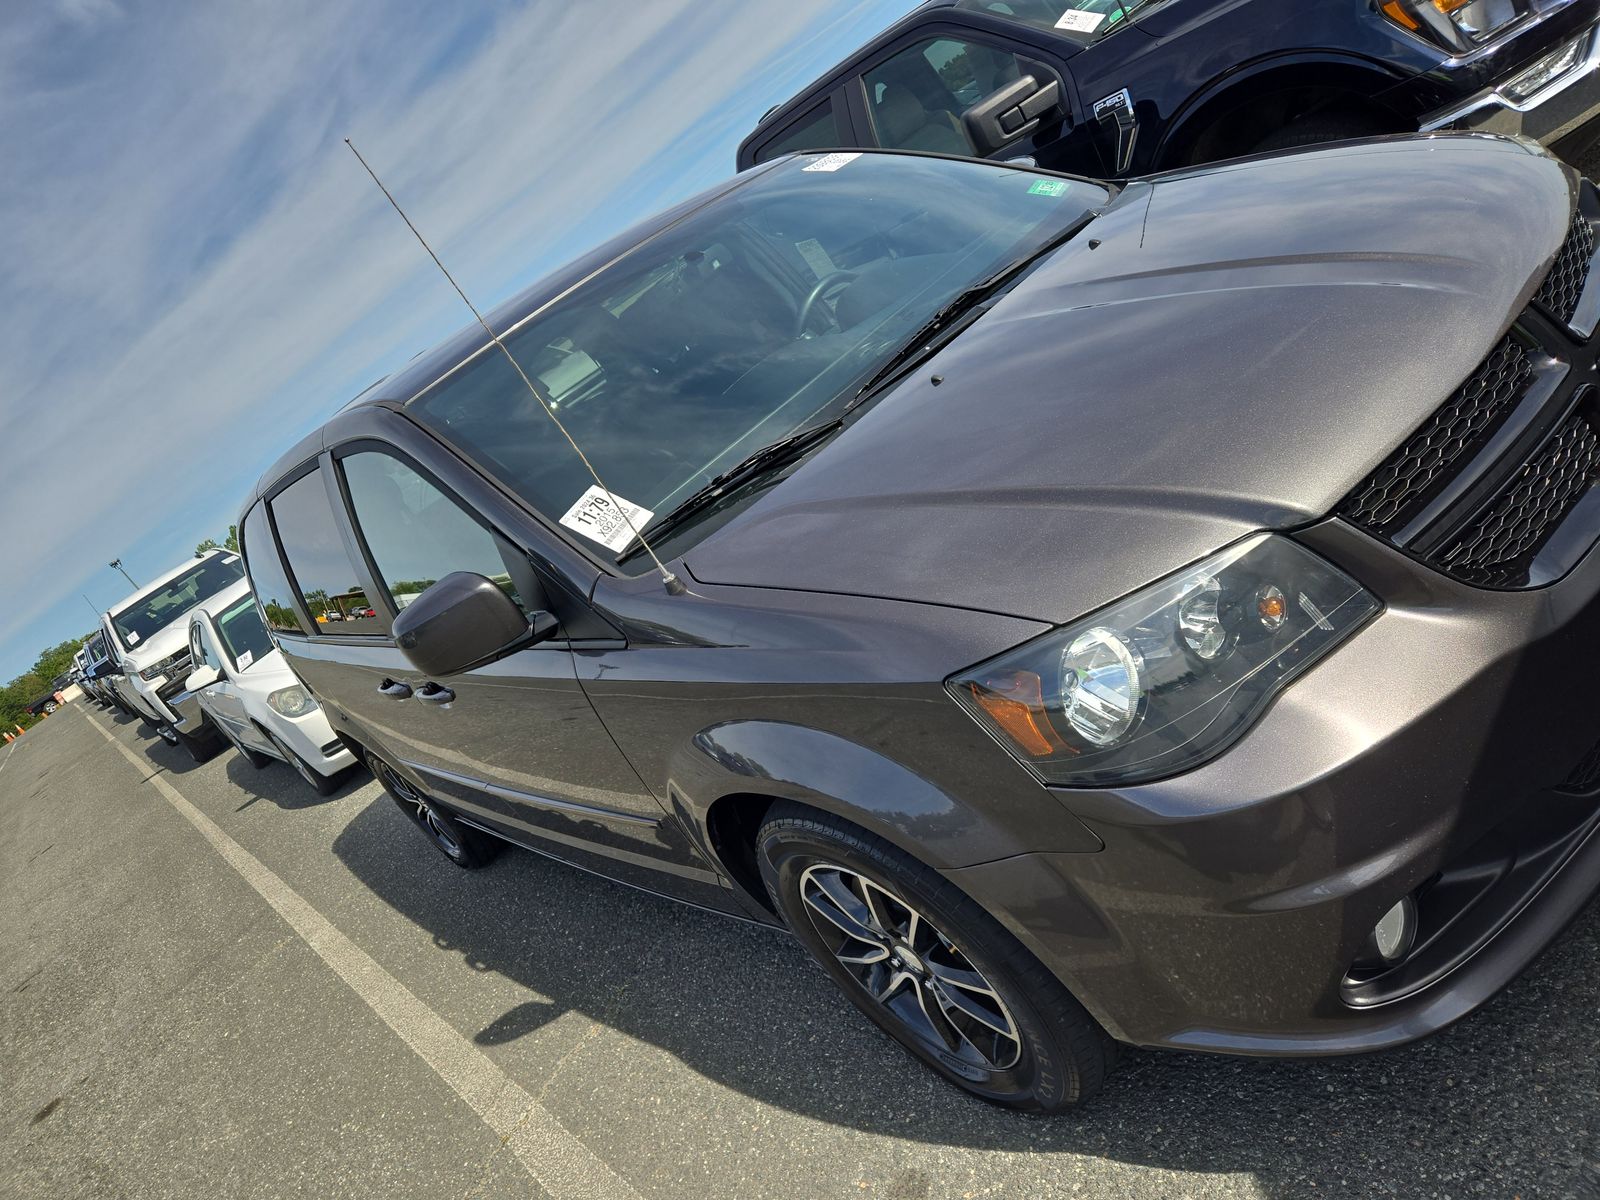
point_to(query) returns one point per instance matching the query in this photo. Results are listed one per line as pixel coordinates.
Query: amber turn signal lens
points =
(1015, 702)
(1397, 13)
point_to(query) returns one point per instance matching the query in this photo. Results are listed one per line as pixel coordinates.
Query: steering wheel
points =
(830, 282)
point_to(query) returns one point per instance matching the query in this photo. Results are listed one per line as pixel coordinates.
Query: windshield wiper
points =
(761, 462)
(933, 333)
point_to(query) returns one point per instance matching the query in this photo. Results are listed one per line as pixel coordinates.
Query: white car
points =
(148, 634)
(249, 694)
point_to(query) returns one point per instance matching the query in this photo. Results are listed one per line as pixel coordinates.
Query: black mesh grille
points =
(1410, 477)
(1563, 287)
(1495, 550)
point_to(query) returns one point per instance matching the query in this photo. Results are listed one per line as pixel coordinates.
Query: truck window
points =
(817, 130)
(916, 98)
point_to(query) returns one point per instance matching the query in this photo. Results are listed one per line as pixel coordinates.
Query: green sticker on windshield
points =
(1048, 187)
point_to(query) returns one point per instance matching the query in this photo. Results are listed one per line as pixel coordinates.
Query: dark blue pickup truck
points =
(1123, 87)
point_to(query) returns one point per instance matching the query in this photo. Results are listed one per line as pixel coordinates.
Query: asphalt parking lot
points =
(217, 985)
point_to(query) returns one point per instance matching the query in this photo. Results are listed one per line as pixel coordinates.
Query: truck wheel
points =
(928, 966)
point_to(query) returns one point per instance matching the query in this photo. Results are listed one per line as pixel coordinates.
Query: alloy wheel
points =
(910, 968)
(425, 815)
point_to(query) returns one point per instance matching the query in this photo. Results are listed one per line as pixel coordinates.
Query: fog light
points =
(1546, 71)
(1391, 938)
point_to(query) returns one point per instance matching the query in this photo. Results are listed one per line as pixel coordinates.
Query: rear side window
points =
(267, 577)
(415, 533)
(817, 130)
(317, 560)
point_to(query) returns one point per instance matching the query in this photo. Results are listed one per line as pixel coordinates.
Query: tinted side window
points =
(317, 559)
(266, 576)
(414, 532)
(817, 130)
(917, 97)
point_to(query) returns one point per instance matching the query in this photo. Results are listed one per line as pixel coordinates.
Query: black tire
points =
(322, 785)
(255, 758)
(1055, 1055)
(468, 848)
(1313, 131)
(201, 748)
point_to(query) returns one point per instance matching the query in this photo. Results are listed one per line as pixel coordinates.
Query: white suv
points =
(148, 634)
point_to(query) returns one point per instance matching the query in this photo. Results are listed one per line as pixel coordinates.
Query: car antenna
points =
(673, 584)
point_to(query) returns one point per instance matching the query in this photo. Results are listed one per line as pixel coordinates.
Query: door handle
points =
(433, 693)
(393, 690)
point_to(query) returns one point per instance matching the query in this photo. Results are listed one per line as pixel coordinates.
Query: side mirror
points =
(201, 677)
(464, 621)
(1013, 112)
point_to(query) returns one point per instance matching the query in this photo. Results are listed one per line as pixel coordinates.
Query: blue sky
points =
(199, 272)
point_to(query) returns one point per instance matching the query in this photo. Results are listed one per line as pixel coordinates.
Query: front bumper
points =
(1566, 111)
(1441, 752)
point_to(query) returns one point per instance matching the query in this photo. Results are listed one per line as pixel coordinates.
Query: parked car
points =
(1155, 614)
(98, 670)
(150, 633)
(1123, 87)
(246, 690)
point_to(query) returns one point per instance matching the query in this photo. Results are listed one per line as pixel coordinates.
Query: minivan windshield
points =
(759, 314)
(153, 612)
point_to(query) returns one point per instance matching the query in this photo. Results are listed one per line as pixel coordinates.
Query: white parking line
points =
(562, 1164)
(10, 750)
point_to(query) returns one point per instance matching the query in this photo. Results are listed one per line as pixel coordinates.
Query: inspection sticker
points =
(598, 519)
(246, 659)
(133, 638)
(1048, 187)
(832, 162)
(1079, 21)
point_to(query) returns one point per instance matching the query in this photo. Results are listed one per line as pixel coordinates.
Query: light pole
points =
(116, 565)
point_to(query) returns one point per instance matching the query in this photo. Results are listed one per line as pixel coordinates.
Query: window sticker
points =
(1078, 21)
(246, 659)
(133, 638)
(599, 520)
(1048, 187)
(816, 257)
(832, 162)
(230, 559)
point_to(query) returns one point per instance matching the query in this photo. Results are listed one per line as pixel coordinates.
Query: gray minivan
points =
(1155, 614)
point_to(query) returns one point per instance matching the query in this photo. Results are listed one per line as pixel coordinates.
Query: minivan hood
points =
(1221, 351)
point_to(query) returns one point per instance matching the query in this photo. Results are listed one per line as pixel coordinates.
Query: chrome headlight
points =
(167, 666)
(1170, 676)
(292, 701)
(1458, 26)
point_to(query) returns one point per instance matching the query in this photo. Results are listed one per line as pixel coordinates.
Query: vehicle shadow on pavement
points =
(278, 783)
(1503, 1103)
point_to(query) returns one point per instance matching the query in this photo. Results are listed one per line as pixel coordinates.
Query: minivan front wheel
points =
(462, 845)
(929, 966)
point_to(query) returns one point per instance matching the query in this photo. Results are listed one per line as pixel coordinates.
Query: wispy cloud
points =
(198, 272)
